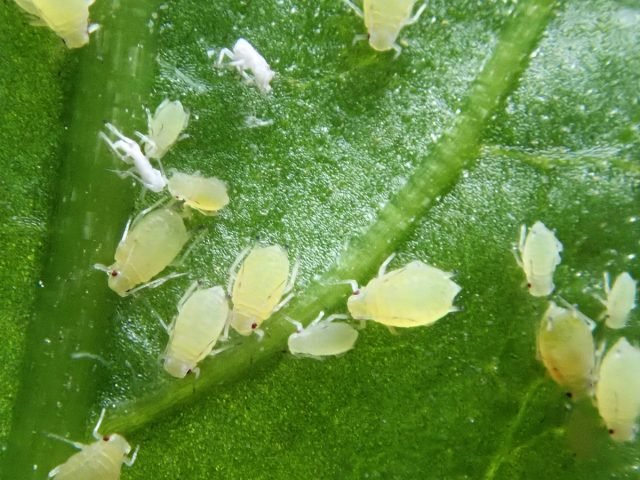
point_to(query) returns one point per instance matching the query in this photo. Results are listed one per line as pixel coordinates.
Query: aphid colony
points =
(565, 342)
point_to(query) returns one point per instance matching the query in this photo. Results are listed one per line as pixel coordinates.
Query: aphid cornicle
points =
(69, 19)
(202, 315)
(384, 19)
(129, 152)
(101, 460)
(621, 299)
(322, 337)
(208, 195)
(258, 286)
(245, 57)
(165, 128)
(618, 390)
(539, 251)
(412, 296)
(146, 248)
(565, 347)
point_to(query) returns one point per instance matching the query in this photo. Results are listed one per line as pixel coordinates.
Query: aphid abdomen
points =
(152, 244)
(621, 299)
(260, 282)
(165, 127)
(68, 18)
(384, 19)
(98, 461)
(566, 348)
(412, 296)
(196, 329)
(324, 339)
(540, 255)
(207, 195)
(618, 390)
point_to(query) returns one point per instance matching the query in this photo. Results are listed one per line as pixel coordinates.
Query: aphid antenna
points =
(138, 217)
(233, 269)
(194, 243)
(352, 283)
(383, 268)
(155, 283)
(360, 37)
(132, 459)
(76, 445)
(90, 356)
(225, 52)
(260, 333)
(292, 277)
(336, 316)
(295, 323)
(96, 429)
(102, 268)
(606, 283)
(283, 302)
(358, 11)
(416, 15)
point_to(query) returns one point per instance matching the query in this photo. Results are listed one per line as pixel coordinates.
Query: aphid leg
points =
(392, 330)
(225, 52)
(317, 320)
(398, 50)
(155, 283)
(149, 143)
(260, 333)
(295, 323)
(194, 243)
(359, 38)
(192, 288)
(336, 316)
(93, 27)
(354, 7)
(352, 283)
(383, 268)
(606, 283)
(96, 429)
(132, 459)
(215, 352)
(139, 216)
(283, 302)
(233, 269)
(292, 278)
(416, 16)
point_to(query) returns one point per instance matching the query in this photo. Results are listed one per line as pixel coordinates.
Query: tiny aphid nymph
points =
(208, 195)
(165, 128)
(245, 57)
(146, 248)
(384, 19)
(412, 296)
(565, 347)
(322, 337)
(69, 19)
(621, 299)
(538, 255)
(618, 390)
(202, 315)
(100, 460)
(129, 152)
(258, 286)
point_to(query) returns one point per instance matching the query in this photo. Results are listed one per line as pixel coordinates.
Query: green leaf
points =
(496, 114)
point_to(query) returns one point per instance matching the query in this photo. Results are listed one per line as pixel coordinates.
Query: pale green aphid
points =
(539, 251)
(165, 128)
(258, 286)
(101, 460)
(384, 19)
(146, 248)
(202, 315)
(208, 195)
(322, 338)
(618, 390)
(69, 19)
(621, 299)
(565, 346)
(412, 296)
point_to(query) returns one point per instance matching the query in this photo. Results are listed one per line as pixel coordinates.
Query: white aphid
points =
(100, 460)
(322, 338)
(565, 346)
(258, 286)
(202, 315)
(165, 128)
(208, 195)
(384, 19)
(539, 251)
(412, 296)
(245, 57)
(621, 299)
(69, 19)
(618, 390)
(129, 152)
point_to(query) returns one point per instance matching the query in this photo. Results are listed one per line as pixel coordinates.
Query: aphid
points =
(129, 152)
(245, 57)
(618, 390)
(202, 315)
(621, 299)
(539, 255)
(165, 128)
(146, 248)
(565, 346)
(384, 19)
(100, 460)
(412, 296)
(205, 194)
(322, 338)
(69, 19)
(258, 287)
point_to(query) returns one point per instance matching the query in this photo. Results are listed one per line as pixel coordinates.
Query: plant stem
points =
(436, 175)
(112, 76)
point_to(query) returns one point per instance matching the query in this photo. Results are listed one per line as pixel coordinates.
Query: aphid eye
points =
(356, 292)
(106, 438)
(254, 326)
(114, 273)
(528, 285)
(569, 395)
(611, 431)
(188, 371)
